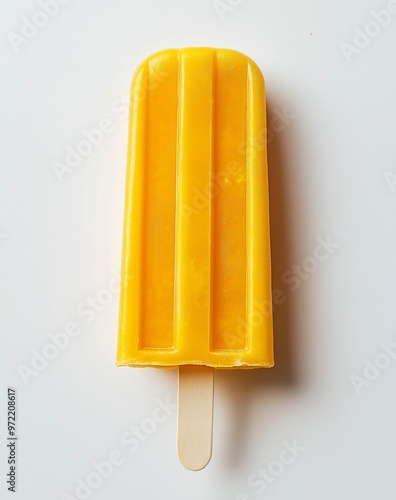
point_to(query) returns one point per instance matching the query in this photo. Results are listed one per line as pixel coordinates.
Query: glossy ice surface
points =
(196, 285)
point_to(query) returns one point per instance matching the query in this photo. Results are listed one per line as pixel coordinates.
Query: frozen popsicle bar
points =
(196, 284)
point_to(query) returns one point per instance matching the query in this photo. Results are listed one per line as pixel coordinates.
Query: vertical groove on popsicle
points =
(158, 215)
(212, 286)
(229, 205)
(213, 145)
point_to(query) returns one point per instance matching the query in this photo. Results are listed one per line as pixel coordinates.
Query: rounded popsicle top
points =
(157, 66)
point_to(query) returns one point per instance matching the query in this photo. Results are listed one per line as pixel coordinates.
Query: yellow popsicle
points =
(196, 282)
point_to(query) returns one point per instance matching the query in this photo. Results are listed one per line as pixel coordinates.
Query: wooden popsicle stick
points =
(195, 416)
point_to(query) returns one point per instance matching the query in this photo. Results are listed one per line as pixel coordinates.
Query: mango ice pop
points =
(196, 283)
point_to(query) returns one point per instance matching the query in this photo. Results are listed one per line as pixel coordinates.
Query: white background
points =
(60, 243)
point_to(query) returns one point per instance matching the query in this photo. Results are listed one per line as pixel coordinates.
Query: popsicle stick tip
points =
(195, 416)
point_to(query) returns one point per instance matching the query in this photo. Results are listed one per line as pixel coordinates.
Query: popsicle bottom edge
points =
(219, 366)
